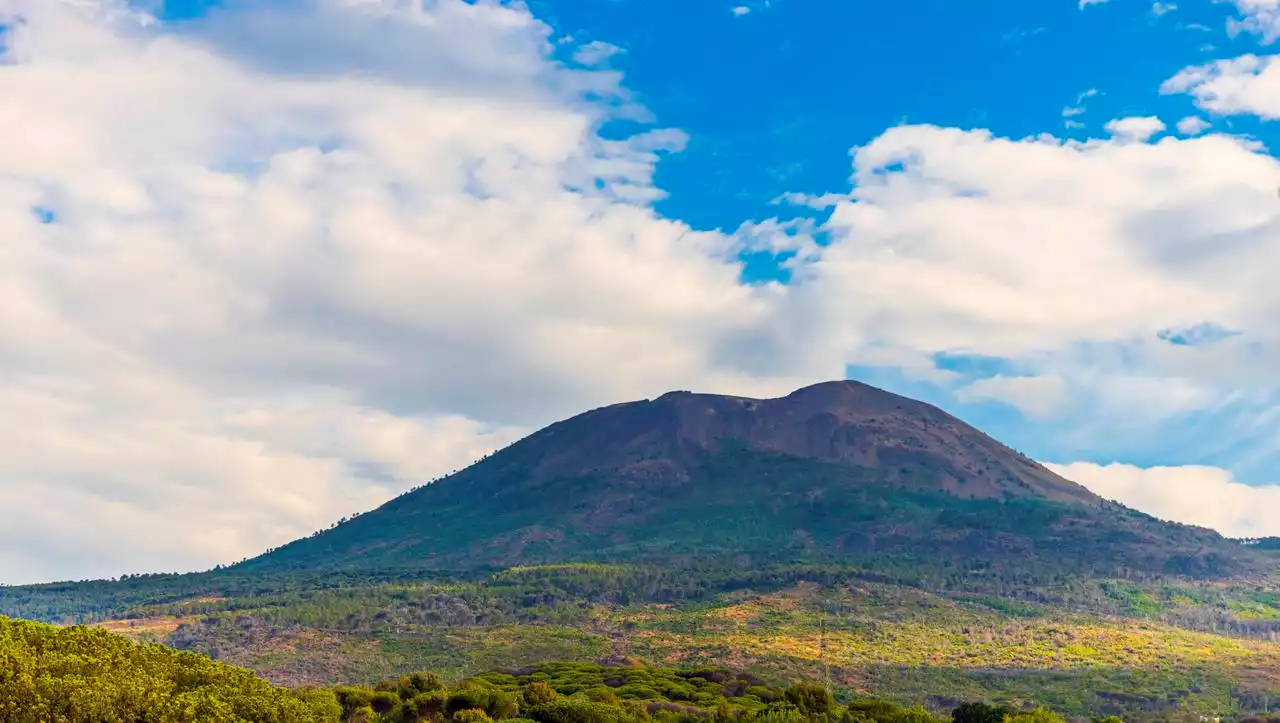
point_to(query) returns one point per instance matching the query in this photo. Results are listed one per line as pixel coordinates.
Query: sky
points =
(267, 264)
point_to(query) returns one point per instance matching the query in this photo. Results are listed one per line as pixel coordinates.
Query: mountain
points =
(839, 471)
(840, 532)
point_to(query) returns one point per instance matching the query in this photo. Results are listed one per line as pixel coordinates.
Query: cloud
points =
(741, 10)
(239, 309)
(1079, 108)
(185, 488)
(1205, 496)
(1248, 84)
(1135, 128)
(1086, 3)
(595, 53)
(1259, 17)
(1159, 9)
(1034, 244)
(1193, 125)
(375, 242)
(1037, 397)
(1065, 259)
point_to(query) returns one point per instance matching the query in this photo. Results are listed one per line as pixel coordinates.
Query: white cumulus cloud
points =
(1136, 128)
(378, 240)
(1248, 84)
(289, 291)
(1037, 244)
(1205, 496)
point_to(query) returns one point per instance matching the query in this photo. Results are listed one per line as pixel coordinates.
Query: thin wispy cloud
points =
(1070, 113)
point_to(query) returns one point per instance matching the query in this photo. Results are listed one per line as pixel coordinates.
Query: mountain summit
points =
(834, 471)
(843, 422)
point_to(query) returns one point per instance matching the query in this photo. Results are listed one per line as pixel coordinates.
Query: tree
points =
(538, 694)
(812, 699)
(980, 713)
(384, 701)
(1039, 715)
(471, 715)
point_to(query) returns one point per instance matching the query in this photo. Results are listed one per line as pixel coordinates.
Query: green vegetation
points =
(1133, 599)
(82, 675)
(900, 633)
(948, 570)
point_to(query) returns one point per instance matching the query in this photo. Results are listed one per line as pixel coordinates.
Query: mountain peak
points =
(854, 423)
(842, 387)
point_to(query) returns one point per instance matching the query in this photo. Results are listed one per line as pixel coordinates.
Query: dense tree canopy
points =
(78, 674)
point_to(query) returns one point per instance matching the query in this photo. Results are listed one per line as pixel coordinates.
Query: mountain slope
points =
(838, 470)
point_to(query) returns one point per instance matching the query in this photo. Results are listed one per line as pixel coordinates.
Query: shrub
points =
(1039, 715)
(535, 694)
(471, 715)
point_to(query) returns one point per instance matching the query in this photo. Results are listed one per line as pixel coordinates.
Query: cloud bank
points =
(250, 287)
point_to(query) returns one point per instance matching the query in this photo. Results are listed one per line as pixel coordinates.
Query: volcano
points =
(838, 471)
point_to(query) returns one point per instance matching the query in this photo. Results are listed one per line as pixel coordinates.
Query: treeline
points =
(589, 693)
(87, 601)
(565, 594)
(579, 693)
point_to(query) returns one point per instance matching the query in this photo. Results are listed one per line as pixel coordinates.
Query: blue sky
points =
(274, 262)
(773, 100)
